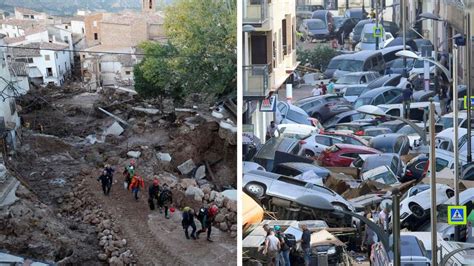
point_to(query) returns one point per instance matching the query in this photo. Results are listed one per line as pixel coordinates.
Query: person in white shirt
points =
(316, 91)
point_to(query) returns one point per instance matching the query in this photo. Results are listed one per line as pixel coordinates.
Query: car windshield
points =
(348, 79)
(351, 65)
(334, 64)
(297, 117)
(359, 27)
(354, 91)
(421, 63)
(407, 130)
(316, 24)
(381, 174)
(368, 38)
(398, 63)
(447, 122)
(362, 101)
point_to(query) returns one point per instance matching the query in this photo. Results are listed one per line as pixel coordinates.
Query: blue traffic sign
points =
(457, 215)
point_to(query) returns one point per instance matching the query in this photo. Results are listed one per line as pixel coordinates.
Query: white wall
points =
(78, 27)
(60, 66)
(11, 31)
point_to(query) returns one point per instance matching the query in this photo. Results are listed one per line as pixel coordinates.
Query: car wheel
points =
(417, 210)
(255, 189)
(308, 153)
(450, 193)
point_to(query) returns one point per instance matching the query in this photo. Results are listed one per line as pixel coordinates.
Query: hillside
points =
(69, 7)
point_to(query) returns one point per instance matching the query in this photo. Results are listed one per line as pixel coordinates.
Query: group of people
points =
(278, 245)
(322, 89)
(379, 217)
(163, 197)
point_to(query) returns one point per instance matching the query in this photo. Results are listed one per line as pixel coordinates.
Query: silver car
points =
(260, 183)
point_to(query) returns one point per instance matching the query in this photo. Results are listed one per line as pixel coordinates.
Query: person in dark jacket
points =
(188, 220)
(284, 248)
(154, 194)
(206, 217)
(106, 181)
(407, 96)
(166, 198)
(306, 244)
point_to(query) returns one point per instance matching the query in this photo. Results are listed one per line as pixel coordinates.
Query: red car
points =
(348, 138)
(342, 155)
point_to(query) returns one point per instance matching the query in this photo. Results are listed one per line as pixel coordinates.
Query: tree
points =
(318, 57)
(205, 34)
(156, 75)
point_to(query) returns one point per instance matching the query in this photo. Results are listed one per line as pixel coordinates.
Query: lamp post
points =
(412, 55)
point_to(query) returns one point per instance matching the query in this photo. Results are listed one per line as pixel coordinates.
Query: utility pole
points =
(455, 126)
(396, 226)
(432, 162)
(377, 24)
(404, 33)
(468, 83)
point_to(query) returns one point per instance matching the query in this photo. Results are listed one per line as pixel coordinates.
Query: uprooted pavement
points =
(66, 141)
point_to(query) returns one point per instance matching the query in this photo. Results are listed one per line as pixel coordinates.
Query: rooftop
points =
(27, 11)
(129, 17)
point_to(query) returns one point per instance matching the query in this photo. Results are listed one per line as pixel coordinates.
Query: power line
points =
(68, 50)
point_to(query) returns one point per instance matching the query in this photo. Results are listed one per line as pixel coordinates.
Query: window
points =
(323, 140)
(96, 36)
(398, 145)
(67, 27)
(394, 112)
(66, 40)
(56, 54)
(286, 171)
(47, 57)
(127, 72)
(389, 96)
(350, 155)
(379, 100)
(94, 23)
(83, 31)
(151, 4)
(284, 37)
(49, 72)
(12, 107)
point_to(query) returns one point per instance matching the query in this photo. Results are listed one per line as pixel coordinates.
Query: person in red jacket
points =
(137, 182)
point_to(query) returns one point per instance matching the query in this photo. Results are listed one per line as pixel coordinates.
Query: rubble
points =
(200, 172)
(150, 111)
(186, 167)
(115, 129)
(134, 154)
(165, 157)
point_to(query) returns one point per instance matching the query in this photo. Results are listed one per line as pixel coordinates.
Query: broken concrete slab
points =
(115, 129)
(164, 157)
(113, 116)
(186, 167)
(200, 172)
(187, 110)
(134, 154)
(230, 194)
(150, 111)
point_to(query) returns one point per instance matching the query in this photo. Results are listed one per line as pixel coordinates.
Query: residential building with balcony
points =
(269, 55)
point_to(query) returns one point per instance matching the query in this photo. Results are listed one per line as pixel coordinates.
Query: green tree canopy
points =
(318, 57)
(200, 55)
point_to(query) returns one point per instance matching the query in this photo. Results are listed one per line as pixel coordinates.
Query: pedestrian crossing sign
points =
(457, 215)
(378, 31)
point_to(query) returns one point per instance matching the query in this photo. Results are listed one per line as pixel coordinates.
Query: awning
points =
(34, 72)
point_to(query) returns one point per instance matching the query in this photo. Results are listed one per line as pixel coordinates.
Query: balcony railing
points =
(255, 12)
(255, 80)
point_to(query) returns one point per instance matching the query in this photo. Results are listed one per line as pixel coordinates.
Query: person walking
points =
(128, 173)
(135, 184)
(383, 218)
(369, 238)
(206, 217)
(272, 248)
(324, 89)
(154, 194)
(316, 91)
(187, 221)
(306, 244)
(443, 95)
(166, 198)
(271, 129)
(407, 95)
(284, 247)
(331, 87)
(106, 181)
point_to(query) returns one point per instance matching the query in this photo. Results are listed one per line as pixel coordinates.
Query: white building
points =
(47, 62)
(9, 119)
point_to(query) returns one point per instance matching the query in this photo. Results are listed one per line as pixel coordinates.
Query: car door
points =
(287, 187)
(322, 142)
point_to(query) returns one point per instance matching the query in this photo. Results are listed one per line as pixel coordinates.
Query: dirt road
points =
(159, 241)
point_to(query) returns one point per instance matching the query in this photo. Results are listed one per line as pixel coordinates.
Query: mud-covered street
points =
(60, 214)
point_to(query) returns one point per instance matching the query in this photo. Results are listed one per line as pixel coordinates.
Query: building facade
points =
(269, 56)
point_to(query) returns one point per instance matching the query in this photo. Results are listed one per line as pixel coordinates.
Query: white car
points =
(416, 203)
(419, 67)
(315, 144)
(413, 136)
(466, 198)
(296, 131)
(250, 166)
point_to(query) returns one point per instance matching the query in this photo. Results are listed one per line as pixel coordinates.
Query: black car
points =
(314, 29)
(324, 107)
(391, 143)
(344, 117)
(266, 154)
(344, 27)
(418, 166)
(297, 168)
(397, 66)
(391, 27)
(382, 95)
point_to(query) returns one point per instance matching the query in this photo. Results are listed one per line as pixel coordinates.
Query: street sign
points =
(247, 134)
(465, 102)
(268, 104)
(378, 31)
(457, 215)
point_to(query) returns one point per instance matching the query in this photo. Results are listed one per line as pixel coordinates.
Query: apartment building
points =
(269, 56)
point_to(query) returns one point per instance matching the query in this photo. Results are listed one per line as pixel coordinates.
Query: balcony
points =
(255, 81)
(255, 13)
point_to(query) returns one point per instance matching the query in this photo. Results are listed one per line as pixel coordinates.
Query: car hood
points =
(319, 31)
